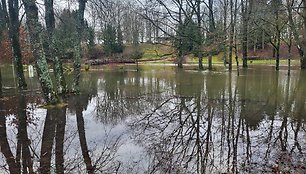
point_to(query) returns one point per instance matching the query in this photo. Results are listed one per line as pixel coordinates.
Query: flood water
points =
(160, 120)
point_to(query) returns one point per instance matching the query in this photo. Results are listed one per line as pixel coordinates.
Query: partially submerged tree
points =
(34, 28)
(211, 32)
(77, 46)
(246, 10)
(51, 51)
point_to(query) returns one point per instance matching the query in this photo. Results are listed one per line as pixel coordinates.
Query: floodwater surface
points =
(159, 120)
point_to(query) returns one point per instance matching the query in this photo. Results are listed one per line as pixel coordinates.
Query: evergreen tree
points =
(188, 34)
(120, 46)
(112, 40)
(65, 33)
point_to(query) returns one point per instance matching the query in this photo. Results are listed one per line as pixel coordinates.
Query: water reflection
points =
(170, 121)
(229, 124)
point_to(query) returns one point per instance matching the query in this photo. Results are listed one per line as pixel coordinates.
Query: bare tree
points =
(300, 9)
(246, 10)
(13, 7)
(3, 19)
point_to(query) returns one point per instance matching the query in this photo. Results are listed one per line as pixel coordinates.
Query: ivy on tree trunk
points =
(51, 51)
(34, 28)
(77, 46)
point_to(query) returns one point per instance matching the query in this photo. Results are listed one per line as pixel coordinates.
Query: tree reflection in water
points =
(184, 121)
(52, 149)
(225, 127)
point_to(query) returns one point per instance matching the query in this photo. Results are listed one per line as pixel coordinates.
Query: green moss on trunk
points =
(34, 28)
(77, 47)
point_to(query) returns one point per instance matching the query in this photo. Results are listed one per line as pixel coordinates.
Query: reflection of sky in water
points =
(128, 97)
(100, 135)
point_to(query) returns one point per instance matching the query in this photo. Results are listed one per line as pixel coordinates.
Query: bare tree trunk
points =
(277, 56)
(278, 32)
(34, 28)
(13, 7)
(212, 25)
(210, 62)
(180, 58)
(180, 55)
(225, 32)
(199, 42)
(244, 42)
(231, 35)
(246, 7)
(212, 28)
(235, 37)
(3, 17)
(300, 45)
(149, 31)
(303, 59)
(289, 53)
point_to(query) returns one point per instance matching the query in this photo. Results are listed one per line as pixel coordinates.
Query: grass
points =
(152, 52)
(155, 51)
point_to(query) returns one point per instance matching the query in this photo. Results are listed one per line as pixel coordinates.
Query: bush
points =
(131, 52)
(136, 54)
(97, 52)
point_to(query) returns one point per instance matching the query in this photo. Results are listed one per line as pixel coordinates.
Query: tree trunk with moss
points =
(13, 7)
(77, 46)
(34, 28)
(51, 51)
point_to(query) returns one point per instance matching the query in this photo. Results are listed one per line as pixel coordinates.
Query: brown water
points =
(160, 120)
